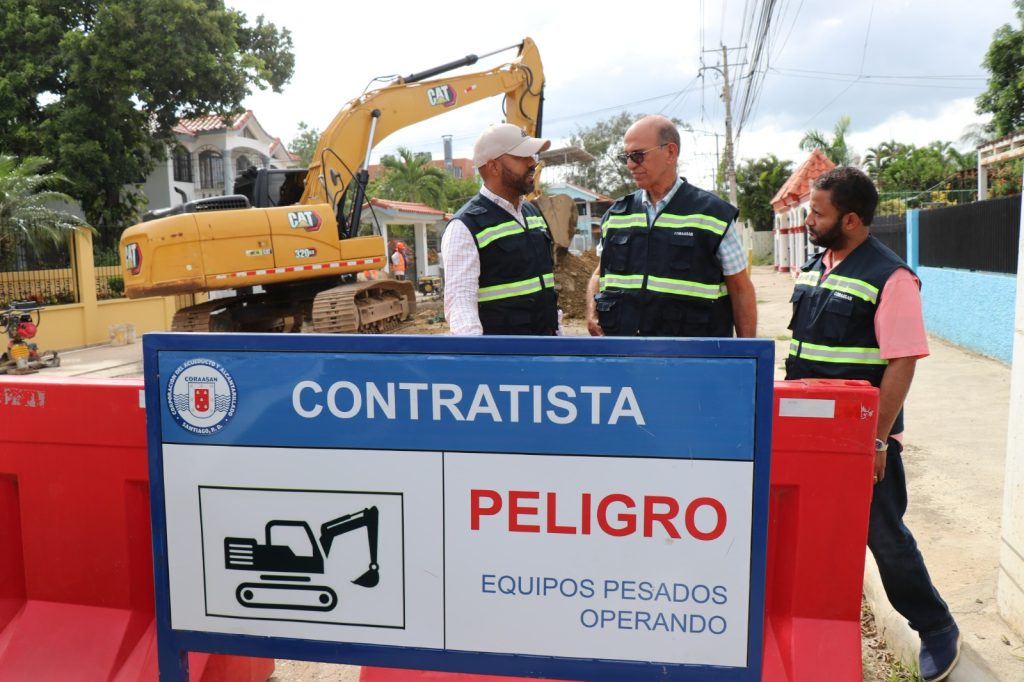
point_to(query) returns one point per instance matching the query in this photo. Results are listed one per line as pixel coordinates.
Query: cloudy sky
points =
(902, 69)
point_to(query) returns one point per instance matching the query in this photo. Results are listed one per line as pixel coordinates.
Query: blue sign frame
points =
(730, 381)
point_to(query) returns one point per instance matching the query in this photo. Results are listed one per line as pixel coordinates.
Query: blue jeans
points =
(900, 564)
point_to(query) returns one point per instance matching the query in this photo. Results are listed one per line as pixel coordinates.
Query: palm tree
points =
(412, 178)
(877, 159)
(835, 149)
(25, 219)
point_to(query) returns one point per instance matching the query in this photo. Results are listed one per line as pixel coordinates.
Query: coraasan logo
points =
(201, 396)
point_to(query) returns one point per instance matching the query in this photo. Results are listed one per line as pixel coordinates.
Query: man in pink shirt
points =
(857, 315)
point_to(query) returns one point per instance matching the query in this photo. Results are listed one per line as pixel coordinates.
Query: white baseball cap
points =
(505, 138)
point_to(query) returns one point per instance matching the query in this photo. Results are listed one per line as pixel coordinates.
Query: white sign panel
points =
(313, 544)
(592, 557)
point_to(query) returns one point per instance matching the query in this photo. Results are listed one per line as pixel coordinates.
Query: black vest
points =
(516, 286)
(833, 319)
(665, 279)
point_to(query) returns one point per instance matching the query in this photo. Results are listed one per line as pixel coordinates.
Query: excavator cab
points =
(269, 187)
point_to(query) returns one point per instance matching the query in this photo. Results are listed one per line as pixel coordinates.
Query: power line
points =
(842, 92)
(881, 75)
(867, 80)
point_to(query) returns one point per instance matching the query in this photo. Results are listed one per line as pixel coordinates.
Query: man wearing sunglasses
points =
(499, 273)
(672, 263)
(857, 315)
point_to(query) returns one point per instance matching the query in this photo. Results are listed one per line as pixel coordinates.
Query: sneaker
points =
(939, 655)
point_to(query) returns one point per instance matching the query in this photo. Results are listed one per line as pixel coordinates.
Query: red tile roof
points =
(799, 183)
(205, 124)
(405, 207)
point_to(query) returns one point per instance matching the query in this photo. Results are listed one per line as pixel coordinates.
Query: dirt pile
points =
(571, 276)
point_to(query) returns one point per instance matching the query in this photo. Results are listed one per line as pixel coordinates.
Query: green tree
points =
(921, 168)
(410, 177)
(457, 191)
(304, 145)
(98, 86)
(835, 148)
(878, 158)
(26, 219)
(1004, 97)
(603, 141)
(757, 182)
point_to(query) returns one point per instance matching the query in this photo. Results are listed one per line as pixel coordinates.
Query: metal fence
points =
(980, 236)
(891, 230)
(47, 275)
(893, 203)
(44, 275)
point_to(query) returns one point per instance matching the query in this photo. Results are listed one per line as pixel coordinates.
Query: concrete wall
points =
(88, 322)
(763, 243)
(974, 310)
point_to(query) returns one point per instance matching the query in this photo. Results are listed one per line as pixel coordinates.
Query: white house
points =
(209, 154)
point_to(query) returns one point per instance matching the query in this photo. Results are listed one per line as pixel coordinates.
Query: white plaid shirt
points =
(461, 262)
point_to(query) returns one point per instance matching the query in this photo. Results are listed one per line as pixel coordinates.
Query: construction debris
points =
(572, 273)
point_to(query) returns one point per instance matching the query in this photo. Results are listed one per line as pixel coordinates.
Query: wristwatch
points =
(880, 445)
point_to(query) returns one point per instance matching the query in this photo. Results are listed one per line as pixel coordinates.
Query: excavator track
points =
(199, 317)
(370, 307)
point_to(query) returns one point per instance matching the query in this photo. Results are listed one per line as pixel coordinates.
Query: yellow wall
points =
(88, 322)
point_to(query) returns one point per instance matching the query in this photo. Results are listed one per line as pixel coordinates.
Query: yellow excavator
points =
(294, 234)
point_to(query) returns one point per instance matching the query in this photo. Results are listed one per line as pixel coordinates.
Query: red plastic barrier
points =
(822, 470)
(76, 566)
(823, 435)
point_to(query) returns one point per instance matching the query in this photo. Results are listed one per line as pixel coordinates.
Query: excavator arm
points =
(365, 518)
(345, 145)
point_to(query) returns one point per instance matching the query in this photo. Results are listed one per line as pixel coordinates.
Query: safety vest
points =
(516, 292)
(398, 262)
(665, 279)
(833, 319)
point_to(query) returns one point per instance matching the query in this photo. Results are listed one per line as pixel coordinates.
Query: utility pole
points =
(730, 160)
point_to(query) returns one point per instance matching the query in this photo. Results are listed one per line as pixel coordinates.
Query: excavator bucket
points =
(370, 578)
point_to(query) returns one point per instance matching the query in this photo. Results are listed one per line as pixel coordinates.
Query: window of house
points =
(211, 170)
(182, 164)
(248, 134)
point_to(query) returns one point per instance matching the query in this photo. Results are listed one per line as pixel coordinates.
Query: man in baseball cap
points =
(499, 273)
(505, 138)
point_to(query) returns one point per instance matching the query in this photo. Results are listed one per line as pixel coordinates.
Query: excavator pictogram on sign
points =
(286, 574)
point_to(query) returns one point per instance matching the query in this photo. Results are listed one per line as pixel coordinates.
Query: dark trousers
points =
(900, 564)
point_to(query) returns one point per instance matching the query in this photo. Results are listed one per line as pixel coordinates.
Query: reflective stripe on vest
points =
(809, 278)
(485, 237)
(682, 287)
(624, 222)
(535, 222)
(849, 285)
(622, 281)
(697, 220)
(665, 285)
(523, 287)
(841, 354)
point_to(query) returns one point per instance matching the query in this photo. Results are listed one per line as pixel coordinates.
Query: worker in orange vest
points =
(398, 259)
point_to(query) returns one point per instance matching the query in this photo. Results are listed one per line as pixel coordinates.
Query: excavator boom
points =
(411, 100)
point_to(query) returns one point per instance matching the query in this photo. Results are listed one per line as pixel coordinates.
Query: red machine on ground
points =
(21, 322)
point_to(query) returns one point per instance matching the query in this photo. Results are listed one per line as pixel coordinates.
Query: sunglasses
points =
(638, 156)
